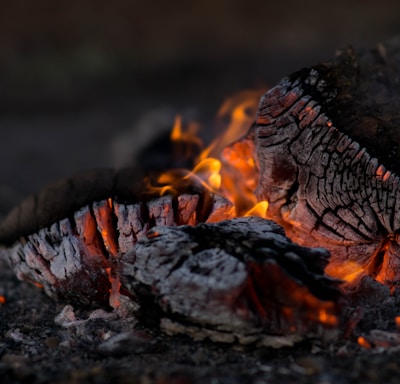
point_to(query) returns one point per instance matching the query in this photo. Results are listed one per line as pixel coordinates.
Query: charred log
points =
(240, 280)
(326, 144)
(74, 257)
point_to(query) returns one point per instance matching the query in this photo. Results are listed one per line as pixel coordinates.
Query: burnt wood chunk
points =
(240, 280)
(74, 258)
(327, 142)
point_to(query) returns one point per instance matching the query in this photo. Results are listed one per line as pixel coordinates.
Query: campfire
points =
(280, 230)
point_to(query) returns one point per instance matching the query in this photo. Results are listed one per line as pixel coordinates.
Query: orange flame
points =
(348, 271)
(229, 173)
(176, 133)
(260, 209)
(2, 299)
(241, 110)
(208, 171)
(165, 184)
(189, 134)
(327, 318)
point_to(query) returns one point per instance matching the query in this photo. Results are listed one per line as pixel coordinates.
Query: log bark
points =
(240, 280)
(326, 145)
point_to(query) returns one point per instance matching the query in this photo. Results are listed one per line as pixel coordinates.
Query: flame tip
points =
(218, 170)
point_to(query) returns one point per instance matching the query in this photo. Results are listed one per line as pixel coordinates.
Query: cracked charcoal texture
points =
(239, 280)
(326, 145)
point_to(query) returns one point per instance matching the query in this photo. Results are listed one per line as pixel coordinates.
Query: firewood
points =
(71, 250)
(326, 144)
(239, 280)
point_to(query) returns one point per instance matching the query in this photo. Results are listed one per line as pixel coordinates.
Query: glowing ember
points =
(114, 290)
(38, 285)
(397, 322)
(102, 212)
(2, 300)
(363, 342)
(348, 271)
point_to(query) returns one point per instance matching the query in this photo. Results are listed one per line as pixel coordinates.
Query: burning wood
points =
(233, 281)
(315, 157)
(325, 143)
(75, 257)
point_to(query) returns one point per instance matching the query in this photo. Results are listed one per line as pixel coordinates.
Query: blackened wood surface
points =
(327, 148)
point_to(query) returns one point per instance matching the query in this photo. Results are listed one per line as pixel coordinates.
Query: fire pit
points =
(202, 255)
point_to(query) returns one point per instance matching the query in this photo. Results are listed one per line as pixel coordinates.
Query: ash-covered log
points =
(68, 238)
(326, 146)
(240, 280)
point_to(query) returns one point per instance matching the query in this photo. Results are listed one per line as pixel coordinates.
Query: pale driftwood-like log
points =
(239, 280)
(74, 258)
(326, 144)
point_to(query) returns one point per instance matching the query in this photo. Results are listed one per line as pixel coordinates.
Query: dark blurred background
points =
(83, 80)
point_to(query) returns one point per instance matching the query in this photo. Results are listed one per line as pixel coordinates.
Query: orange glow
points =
(37, 284)
(185, 140)
(114, 299)
(152, 235)
(386, 176)
(230, 172)
(103, 214)
(259, 210)
(208, 172)
(241, 110)
(298, 305)
(189, 134)
(161, 189)
(380, 171)
(397, 322)
(239, 175)
(176, 132)
(2, 300)
(327, 318)
(363, 342)
(347, 271)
